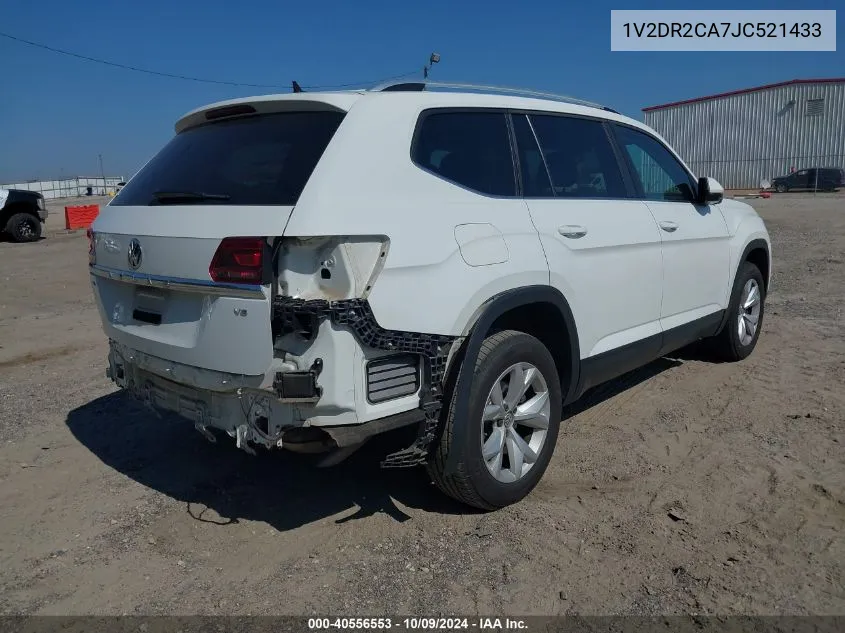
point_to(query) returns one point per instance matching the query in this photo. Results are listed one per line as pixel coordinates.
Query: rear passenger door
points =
(602, 244)
(696, 253)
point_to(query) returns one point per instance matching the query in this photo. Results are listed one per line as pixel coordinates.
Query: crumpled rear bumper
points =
(235, 412)
(223, 410)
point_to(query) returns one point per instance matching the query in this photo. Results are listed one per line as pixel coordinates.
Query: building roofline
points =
(791, 82)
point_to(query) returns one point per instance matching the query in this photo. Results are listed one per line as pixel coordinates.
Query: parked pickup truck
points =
(22, 214)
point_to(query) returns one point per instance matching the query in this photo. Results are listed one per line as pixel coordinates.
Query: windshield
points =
(257, 160)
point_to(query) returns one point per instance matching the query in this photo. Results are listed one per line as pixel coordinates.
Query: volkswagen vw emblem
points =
(135, 254)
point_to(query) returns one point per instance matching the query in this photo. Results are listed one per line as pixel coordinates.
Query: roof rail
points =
(419, 86)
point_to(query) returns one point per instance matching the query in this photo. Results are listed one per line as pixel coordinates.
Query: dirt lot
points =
(686, 487)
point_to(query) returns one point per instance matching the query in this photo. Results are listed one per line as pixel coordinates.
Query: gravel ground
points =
(686, 486)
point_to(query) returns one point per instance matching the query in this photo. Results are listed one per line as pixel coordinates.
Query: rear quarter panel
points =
(366, 184)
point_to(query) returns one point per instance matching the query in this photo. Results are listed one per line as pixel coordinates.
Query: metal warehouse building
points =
(744, 137)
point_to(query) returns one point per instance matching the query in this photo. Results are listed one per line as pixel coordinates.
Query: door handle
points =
(669, 227)
(572, 231)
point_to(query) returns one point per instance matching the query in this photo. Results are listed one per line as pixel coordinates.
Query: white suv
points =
(308, 270)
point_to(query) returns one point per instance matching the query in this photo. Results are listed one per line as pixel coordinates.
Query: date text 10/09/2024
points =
(722, 29)
(417, 624)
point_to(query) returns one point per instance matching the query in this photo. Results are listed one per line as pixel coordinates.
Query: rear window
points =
(257, 160)
(471, 148)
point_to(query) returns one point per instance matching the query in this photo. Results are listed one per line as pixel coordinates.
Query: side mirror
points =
(709, 191)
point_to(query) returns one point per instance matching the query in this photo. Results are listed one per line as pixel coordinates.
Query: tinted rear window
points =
(258, 160)
(470, 148)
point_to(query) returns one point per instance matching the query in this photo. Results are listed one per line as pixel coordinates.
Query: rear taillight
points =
(92, 253)
(239, 260)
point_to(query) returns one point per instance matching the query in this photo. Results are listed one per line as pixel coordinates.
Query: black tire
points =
(24, 227)
(782, 188)
(727, 344)
(472, 483)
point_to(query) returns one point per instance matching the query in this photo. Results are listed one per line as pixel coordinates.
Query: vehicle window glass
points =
(535, 178)
(579, 157)
(256, 160)
(469, 148)
(661, 175)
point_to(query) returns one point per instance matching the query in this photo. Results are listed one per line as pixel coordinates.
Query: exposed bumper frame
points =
(356, 314)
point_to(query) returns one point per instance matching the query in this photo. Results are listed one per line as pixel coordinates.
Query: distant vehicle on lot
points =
(21, 214)
(305, 271)
(815, 178)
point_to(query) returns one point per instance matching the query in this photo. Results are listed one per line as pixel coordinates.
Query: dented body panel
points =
(425, 266)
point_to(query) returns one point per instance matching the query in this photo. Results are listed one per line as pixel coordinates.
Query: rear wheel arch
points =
(544, 321)
(542, 312)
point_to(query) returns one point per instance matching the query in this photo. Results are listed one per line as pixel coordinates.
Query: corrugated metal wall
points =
(741, 140)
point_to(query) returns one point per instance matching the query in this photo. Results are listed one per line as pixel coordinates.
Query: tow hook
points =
(242, 437)
(148, 400)
(202, 428)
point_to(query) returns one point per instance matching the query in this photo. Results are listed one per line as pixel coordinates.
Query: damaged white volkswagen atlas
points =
(307, 270)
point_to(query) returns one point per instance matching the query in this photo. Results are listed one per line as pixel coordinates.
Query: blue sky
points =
(58, 113)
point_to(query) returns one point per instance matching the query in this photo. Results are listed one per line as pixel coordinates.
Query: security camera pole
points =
(435, 57)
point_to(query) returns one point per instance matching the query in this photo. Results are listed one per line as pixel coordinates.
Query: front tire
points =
(782, 188)
(739, 337)
(24, 227)
(508, 440)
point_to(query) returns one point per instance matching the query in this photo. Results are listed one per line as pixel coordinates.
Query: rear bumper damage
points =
(306, 316)
(307, 396)
(250, 415)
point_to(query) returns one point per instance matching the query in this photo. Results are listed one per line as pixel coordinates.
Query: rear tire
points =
(739, 337)
(517, 431)
(24, 227)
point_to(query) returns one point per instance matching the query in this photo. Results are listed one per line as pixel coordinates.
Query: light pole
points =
(434, 59)
(102, 173)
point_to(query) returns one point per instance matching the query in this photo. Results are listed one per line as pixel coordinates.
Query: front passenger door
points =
(800, 179)
(696, 252)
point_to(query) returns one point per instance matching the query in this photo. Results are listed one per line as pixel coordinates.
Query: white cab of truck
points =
(305, 271)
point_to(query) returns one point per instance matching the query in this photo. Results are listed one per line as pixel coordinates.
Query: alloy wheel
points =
(26, 228)
(748, 316)
(515, 422)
